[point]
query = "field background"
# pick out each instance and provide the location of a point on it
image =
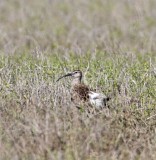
(113, 43)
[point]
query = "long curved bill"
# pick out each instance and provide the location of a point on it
(69, 74)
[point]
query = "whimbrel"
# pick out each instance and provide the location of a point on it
(81, 92)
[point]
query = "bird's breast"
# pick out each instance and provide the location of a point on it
(80, 91)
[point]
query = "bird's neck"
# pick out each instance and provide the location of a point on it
(76, 81)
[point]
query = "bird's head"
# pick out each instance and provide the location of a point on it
(76, 74)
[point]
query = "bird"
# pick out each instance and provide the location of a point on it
(82, 93)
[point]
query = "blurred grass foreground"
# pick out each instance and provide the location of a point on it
(113, 43)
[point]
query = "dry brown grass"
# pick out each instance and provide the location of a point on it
(113, 43)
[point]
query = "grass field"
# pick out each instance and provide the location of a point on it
(113, 43)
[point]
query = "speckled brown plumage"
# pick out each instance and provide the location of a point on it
(80, 92)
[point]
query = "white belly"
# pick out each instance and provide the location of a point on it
(98, 103)
(97, 99)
